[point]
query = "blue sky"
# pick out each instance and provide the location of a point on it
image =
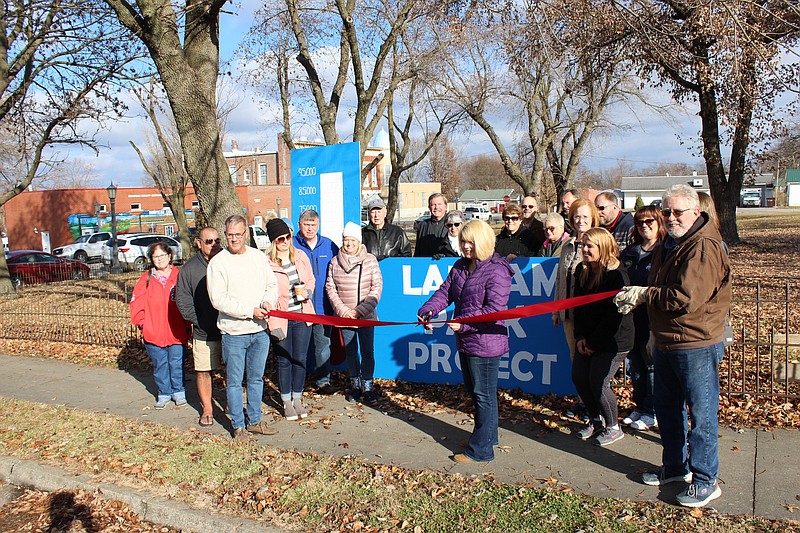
(647, 138)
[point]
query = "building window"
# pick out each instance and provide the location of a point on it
(102, 208)
(246, 177)
(195, 204)
(165, 205)
(262, 174)
(136, 207)
(234, 174)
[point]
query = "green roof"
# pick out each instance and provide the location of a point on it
(793, 175)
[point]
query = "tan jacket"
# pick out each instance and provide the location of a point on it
(354, 282)
(565, 277)
(690, 290)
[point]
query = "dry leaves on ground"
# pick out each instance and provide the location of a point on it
(73, 511)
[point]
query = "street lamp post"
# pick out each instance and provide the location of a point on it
(97, 216)
(112, 197)
(456, 197)
(278, 201)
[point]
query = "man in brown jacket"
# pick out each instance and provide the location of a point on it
(688, 298)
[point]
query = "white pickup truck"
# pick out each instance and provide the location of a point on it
(86, 248)
(479, 212)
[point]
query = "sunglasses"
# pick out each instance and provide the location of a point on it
(282, 239)
(211, 241)
(603, 207)
(677, 212)
(528, 206)
(642, 222)
(511, 218)
(453, 224)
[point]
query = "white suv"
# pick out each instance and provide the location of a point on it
(86, 248)
(132, 250)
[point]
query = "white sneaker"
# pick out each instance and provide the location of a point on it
(633, 417)
(644, 423)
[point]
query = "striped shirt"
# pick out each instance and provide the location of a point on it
(291, 271)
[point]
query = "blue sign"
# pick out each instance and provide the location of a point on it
(538, 360)
(327, 179)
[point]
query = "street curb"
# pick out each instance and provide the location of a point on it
(171, 513)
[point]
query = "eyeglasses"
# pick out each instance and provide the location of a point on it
(211, 241)
(511, 218)
(550, 228)
(453, 224)
(581, 217)
(604, 207)
(677, 212)
(234, 235)
(282, 238)
(160, 256)
(642, 222)
(529, 206)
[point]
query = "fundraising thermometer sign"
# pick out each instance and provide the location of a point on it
(538, 360)
(327, 179)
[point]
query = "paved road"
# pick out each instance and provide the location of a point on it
(759, 469)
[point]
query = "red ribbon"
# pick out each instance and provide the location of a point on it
(517, 312)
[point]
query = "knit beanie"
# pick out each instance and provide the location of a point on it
(275, 228)
(351, 229)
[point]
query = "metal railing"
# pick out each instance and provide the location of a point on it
(765, 357)
(763, 361)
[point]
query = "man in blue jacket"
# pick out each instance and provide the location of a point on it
(320, 251)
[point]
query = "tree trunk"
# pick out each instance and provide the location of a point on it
(188, 68)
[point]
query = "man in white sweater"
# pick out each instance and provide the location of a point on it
(243, 289)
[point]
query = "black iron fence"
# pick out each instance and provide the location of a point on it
(93, 311)
(763, 361)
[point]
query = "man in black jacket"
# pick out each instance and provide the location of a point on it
(432, 233)
(381, 239)
(191, 296)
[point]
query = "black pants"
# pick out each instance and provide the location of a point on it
(591, 376)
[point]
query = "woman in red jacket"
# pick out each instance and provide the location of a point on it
(165, 332)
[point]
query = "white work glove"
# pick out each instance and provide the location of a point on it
(629, 297)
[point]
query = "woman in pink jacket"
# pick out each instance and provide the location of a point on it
(165, 332)
(295, 285)
(354, 286)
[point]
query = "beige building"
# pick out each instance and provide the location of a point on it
(412, 199)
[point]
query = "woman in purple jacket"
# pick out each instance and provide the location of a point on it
(479, 283)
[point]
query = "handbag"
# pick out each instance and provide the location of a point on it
(338, 354)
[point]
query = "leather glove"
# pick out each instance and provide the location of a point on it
(436, 257)
(629, 297)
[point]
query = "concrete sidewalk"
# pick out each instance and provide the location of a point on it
(759, 470)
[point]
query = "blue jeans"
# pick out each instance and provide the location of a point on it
(641, 371)
(168, 370)
(245, 353)
(364, 338)
(322, 354)
(480, 379)
(689, 378)
(291, 354)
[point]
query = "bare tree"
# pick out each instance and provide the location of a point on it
(164, 160)
(58, 64)
(553, 69)
(69, 174)
(183, 42)
(349, 47)
(726, 57)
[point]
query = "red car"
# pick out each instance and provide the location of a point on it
(34, 266)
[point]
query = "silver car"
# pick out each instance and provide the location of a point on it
(132, 250)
